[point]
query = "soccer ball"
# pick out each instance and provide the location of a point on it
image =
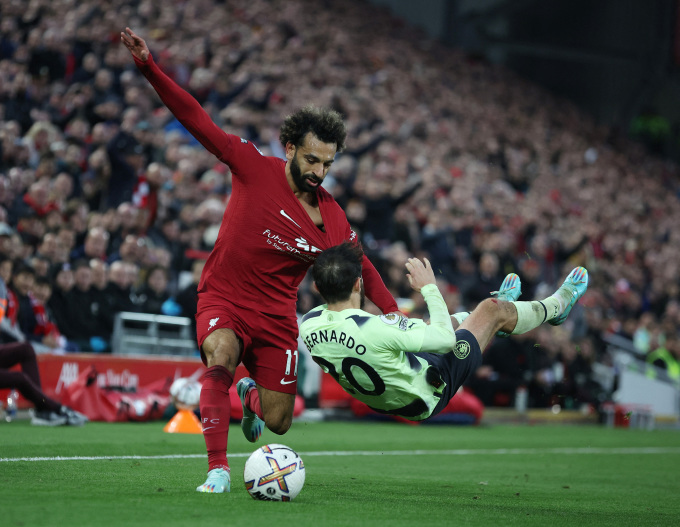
(274, 473)
(186, 393)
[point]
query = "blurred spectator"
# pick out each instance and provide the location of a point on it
(667, 356)
(100, 280)
(437, 239)
(6, 266)
(76, 214)
(9, 330)
(381, 199)
(65, 242)
(644, 338)
(41, 265)
(145, 194)
(19, 308)
(529, 270)
(166, 234)
(84, 322)
(465, 277)
(87, 69)
(153, 296)
(578, 387)
(94, 246)
(62, 189)
(487, 280)
(31, 229)
(128, 224)
(45, 330)
(127, 160)
(118, 294)
(37, 200)
(100, 274)
(58, 303)
(6, 233)
(132, 274)
(132, 250)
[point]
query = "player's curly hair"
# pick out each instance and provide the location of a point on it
(336, 269)
(324, 123)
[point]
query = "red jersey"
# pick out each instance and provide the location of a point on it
(267, 241)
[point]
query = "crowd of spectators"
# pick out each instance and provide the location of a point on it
(105, 199)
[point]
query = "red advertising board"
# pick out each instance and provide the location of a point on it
(128, 372)
(125, 371)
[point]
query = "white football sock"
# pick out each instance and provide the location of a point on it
(532, 314)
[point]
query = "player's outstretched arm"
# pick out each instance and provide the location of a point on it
(183, 106)
(440, 336)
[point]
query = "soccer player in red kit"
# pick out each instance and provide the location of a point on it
(277, 221)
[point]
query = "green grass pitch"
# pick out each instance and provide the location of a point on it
(358, 474)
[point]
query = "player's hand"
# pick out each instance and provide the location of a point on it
(135, 44)
(419, 274)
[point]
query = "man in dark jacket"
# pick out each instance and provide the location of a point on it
(84, 320)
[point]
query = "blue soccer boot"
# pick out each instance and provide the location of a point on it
(573, 288)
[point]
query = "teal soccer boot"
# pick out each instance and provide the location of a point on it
(218, 481)
(574, 286)
(510, 290)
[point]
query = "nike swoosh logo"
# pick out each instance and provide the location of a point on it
(208, 428)
(283, 213)
(284, 381)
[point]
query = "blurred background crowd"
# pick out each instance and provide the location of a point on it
(108, 205)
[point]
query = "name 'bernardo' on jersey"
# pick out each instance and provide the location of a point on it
(339, 337)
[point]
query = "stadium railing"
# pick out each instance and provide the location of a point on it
(635, 383)
(143, 334)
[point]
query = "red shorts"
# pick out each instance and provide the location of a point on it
(269, 342)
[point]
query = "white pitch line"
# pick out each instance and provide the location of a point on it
(459, 452)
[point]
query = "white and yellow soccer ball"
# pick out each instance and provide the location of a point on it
(186, 393)
(274, 473)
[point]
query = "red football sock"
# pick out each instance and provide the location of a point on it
(215, 408)
(253, 402)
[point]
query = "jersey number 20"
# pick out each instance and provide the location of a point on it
(347, 364)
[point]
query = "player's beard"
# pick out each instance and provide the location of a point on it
(300, 179)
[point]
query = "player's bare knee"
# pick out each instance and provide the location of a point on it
(222, 348)
(497, 312)
(279, 424)
(490, 308)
